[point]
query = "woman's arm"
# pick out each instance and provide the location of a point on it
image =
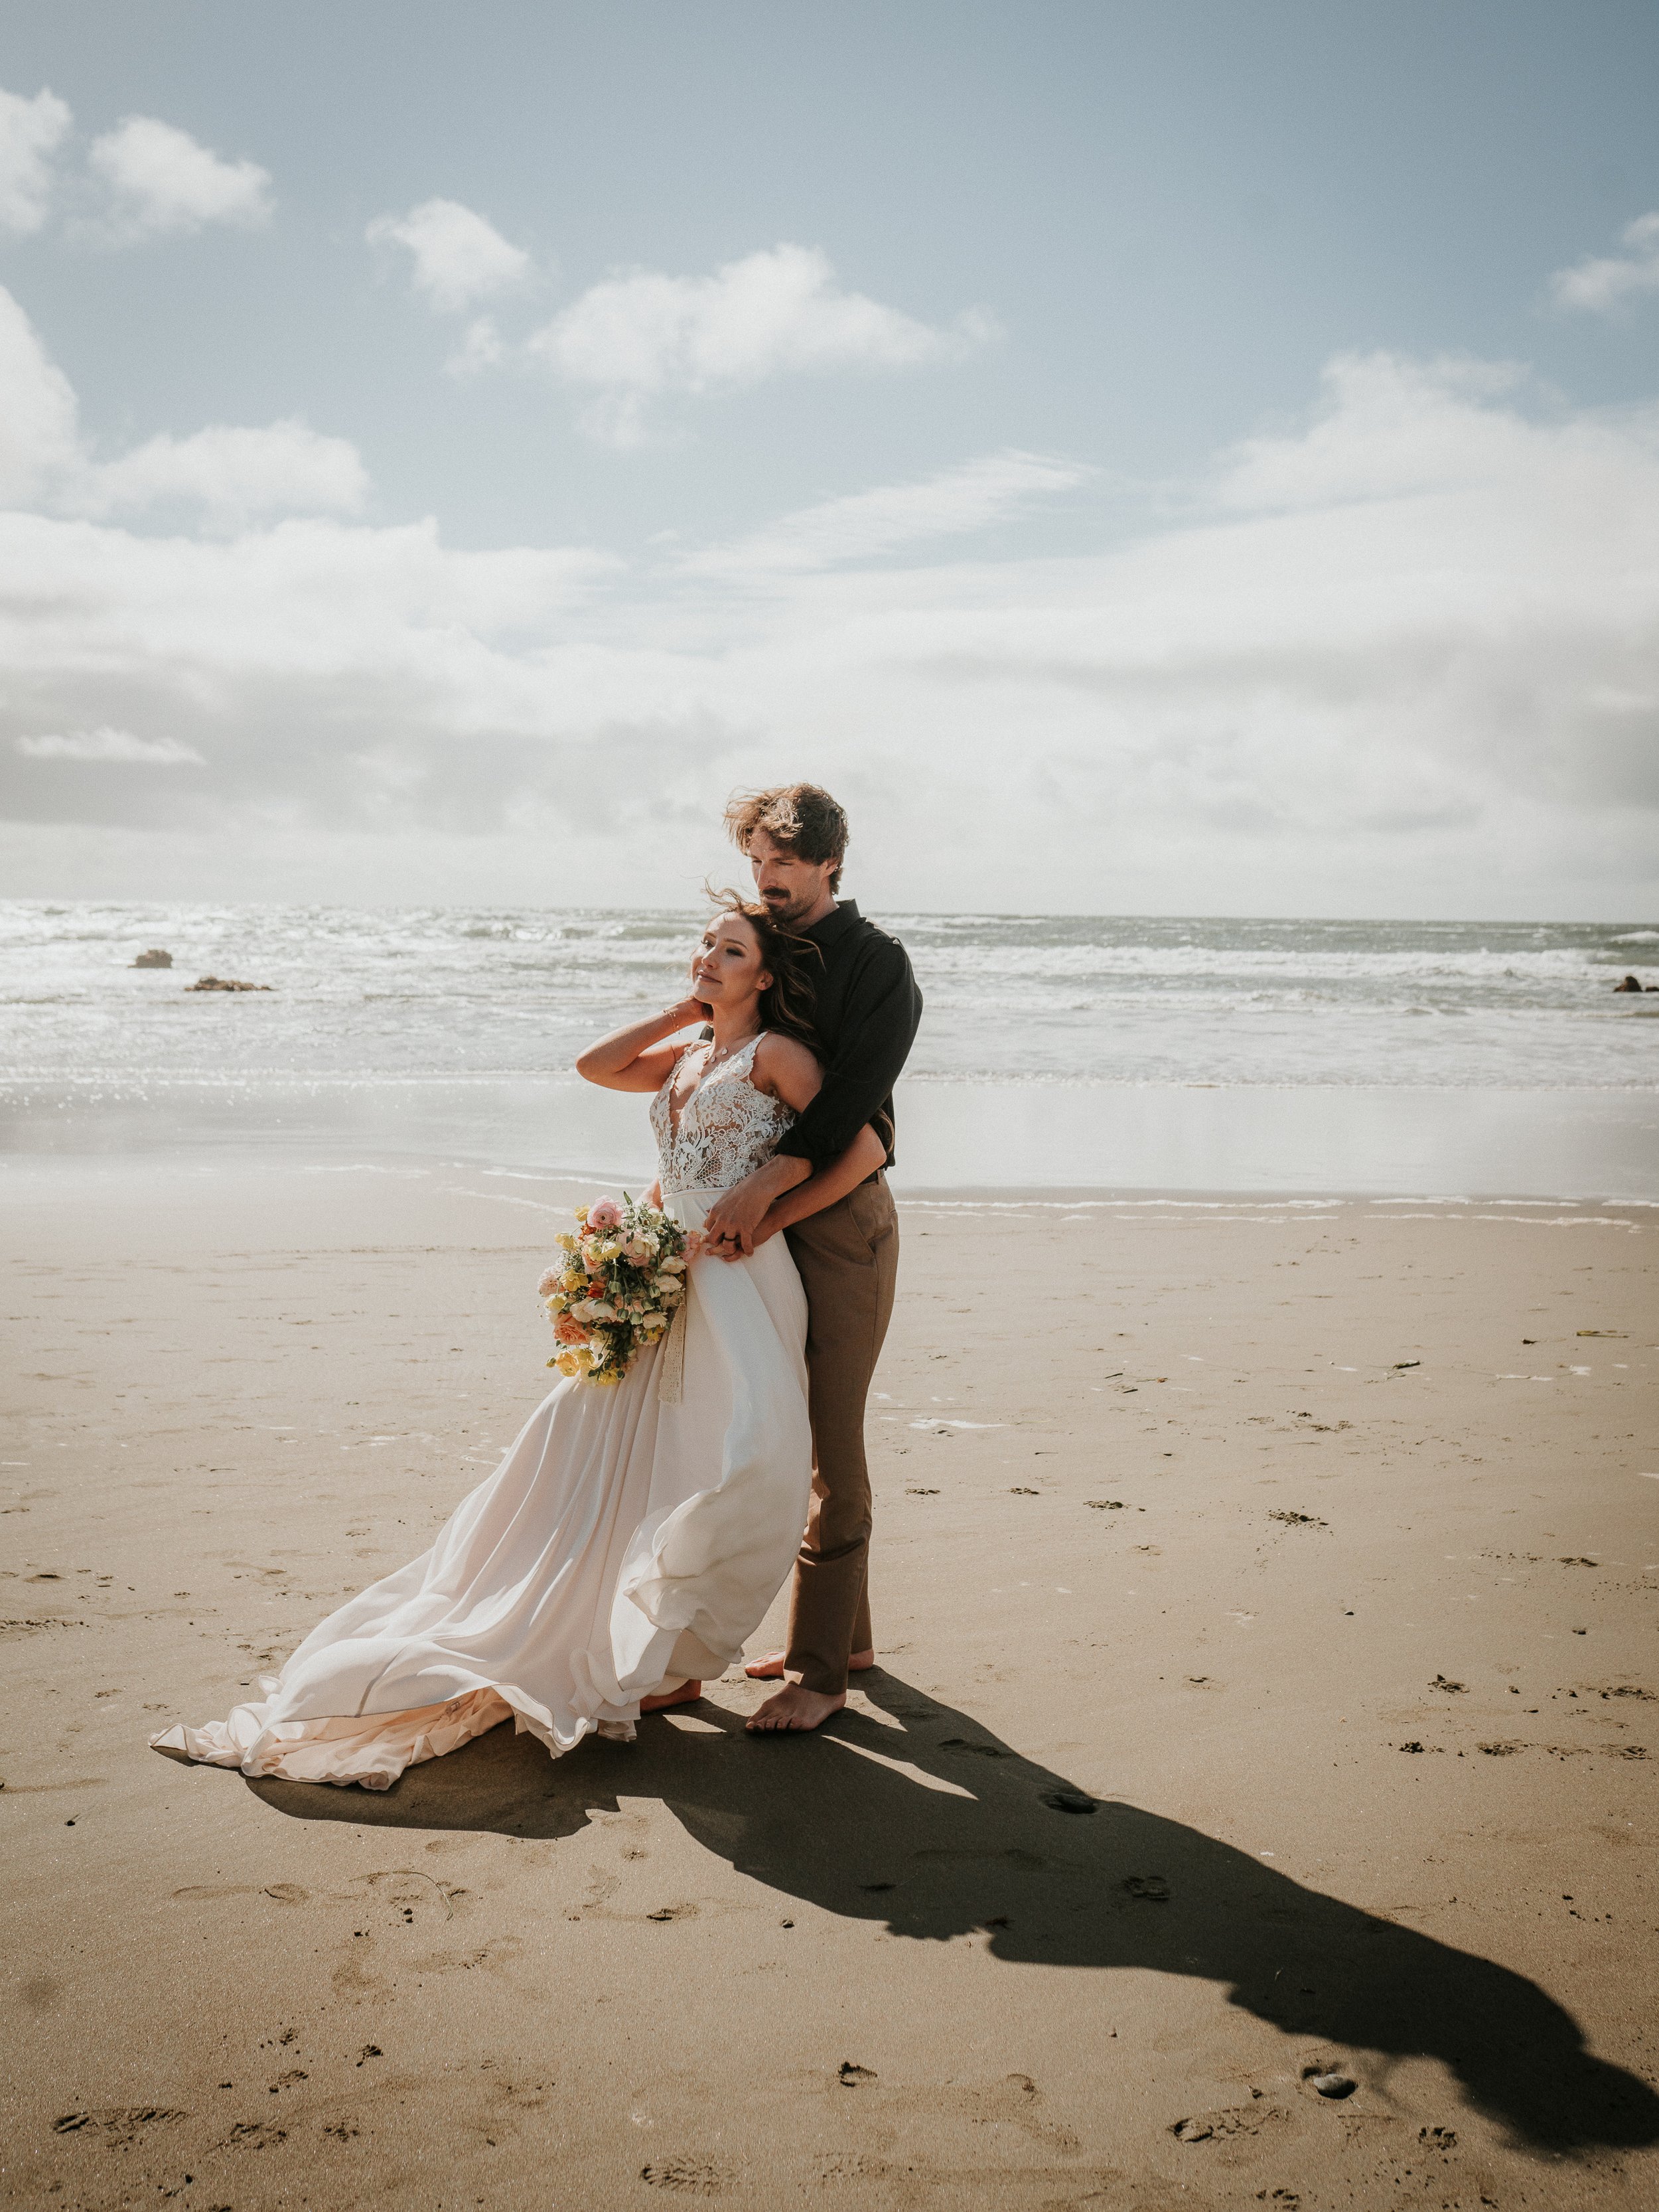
(855, 1165)
(626, 1060)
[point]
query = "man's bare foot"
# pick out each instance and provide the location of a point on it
(687, 1694)
(792, 1711)
(770, 1669)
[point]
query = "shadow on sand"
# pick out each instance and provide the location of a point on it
(1053, 1877)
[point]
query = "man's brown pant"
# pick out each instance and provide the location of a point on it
(847, 1256)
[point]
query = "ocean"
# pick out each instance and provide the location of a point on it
(1115, 1052)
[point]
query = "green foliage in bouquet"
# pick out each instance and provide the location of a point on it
(616, 1287)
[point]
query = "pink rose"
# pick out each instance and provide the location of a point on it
(607, 1214)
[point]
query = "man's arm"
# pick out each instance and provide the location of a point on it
(737, 1213)
(866, 1152)
(878, 1027)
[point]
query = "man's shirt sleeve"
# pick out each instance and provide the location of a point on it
(883, 1012)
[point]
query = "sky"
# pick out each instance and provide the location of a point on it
(1190, 460)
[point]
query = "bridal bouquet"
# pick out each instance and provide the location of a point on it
(616, 1287)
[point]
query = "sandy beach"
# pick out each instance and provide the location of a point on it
(1267, 1692)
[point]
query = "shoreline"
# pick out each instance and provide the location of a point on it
(45, 1178)
(1276, 1141)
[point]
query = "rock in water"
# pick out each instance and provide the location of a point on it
(155, 957)
(1630, 983)
(223, 983)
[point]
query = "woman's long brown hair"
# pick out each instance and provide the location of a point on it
(795, 963)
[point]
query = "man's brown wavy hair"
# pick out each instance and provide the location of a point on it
(787, 1004)
(802, 817)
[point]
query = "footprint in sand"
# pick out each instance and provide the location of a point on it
(253, 2134)
(693, 2177)
(1069, 1800)
(120, 2127)
(1232, 2120)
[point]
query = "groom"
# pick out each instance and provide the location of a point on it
(868, 1007)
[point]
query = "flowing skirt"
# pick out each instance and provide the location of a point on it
(634, 1537)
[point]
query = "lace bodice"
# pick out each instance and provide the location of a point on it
(726, 1127)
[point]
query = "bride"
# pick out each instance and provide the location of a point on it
(636, 1533)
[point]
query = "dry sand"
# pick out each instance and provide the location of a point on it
(1253, 1704)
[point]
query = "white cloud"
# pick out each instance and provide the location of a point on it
(867, 524)
(640, 334)
(1387, 427)
(107, 744)
(1402, 658)
(30, 132)
(40, 434)
(460, 258)
(162, 181)
(481, 348)
(231, 473)
(227, 473)
(1598, 285)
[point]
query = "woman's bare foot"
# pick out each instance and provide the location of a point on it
(770, 1669)
(687, 1694)
(794, 1711)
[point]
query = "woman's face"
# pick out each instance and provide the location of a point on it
(727, 969)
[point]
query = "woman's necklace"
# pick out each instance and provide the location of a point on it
(717, 1058)
(675, 1113)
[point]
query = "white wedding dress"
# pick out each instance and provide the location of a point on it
(632, 1536)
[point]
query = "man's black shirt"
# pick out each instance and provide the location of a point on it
(867, 1012)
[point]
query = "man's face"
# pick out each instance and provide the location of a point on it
(792, 888)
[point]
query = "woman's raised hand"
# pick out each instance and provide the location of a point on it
(635, 1058)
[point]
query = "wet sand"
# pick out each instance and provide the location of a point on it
(1268, 1692)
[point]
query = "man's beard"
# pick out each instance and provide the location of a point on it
(784, 906)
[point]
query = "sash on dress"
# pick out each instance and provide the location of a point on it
(670, 1371)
